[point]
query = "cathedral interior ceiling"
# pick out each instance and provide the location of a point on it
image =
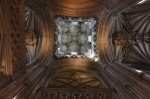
(58, 36)
(74, 10)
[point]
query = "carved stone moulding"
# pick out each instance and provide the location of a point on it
(17, 34)
(81, 93)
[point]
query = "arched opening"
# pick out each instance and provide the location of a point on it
(75, 84)
(75, 79)
(33, 35)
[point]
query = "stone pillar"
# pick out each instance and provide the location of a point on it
(13, 39)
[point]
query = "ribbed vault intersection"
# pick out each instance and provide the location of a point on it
(66, 28)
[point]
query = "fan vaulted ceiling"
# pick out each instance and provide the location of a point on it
(71, 11)
(67, 22)
(75, 37)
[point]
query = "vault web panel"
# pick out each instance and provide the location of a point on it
(75, 37)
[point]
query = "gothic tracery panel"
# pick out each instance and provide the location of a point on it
(75, 84)
(75, 79)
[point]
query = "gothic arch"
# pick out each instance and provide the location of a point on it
(73, 78)
(46, 25)
(33, 35)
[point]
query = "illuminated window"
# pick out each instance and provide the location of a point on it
(142, 1)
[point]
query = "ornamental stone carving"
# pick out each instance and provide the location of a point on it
(75, 37)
